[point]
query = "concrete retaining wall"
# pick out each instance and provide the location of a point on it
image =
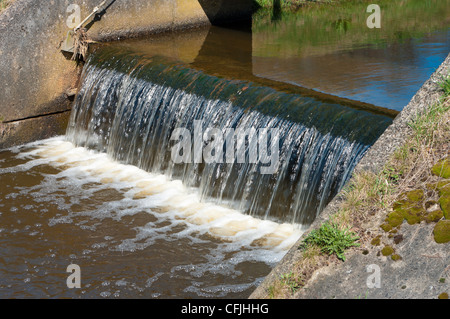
(393, 138)
(38, 80)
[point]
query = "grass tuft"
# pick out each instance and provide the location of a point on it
(332, 239)
(287, 4)
(445, 85)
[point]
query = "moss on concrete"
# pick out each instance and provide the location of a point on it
(439, 185)
(398, 239)
(415, 195)
(376, 241)
(395, 218)
(387, 251)
(442, 168)
(444, 201)
(434, 216)
(410, 208)
(441, 232)
(414, 215)
(443, 295)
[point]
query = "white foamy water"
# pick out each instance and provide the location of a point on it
(168, 197)
(77, 205)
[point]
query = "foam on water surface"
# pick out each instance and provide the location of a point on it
(168, 197)
(134, 233)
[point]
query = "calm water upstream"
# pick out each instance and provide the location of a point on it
(105, 197)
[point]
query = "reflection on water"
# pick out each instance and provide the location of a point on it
(329, 51)
(387, 77)
(333, 51)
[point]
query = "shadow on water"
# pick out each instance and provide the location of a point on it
(219, 11)
(229, 53)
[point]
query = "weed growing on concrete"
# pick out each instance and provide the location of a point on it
(292, 281)
(445, 85)
(332, 239)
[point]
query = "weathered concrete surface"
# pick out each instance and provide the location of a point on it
(423, 263)
(21, 132)
(418, 274)
(36, 76)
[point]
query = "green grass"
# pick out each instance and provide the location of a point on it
(4, 4)
(369, 194)
(445, 85)
(408, 168)
(332, 239)
(291, 281)
(272, 3)
(285, 3)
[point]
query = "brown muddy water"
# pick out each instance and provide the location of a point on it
(62, 205)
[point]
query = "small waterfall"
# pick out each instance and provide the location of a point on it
(131, 106)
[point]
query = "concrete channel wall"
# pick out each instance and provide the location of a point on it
(38, 82)
(394, 137)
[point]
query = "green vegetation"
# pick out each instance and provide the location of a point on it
(315, 29)
(409, 208)
(442, 168)
(442, 232)
(445, 85)
(376, 241)
(287, 4)
(387, 251)
(403, 187)
(332, 239)
(421, 160)
(292, 281)
(289, 283)
(4, 4)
